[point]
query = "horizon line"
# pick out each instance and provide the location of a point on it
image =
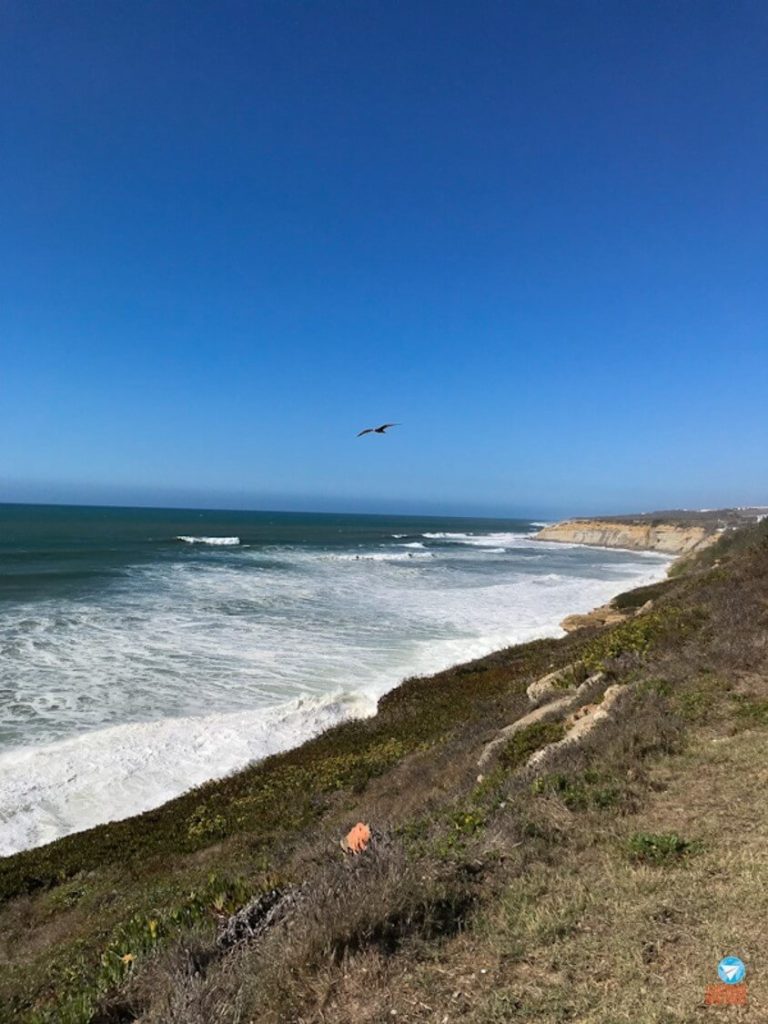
(267, 511)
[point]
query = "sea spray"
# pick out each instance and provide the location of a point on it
(136, 665)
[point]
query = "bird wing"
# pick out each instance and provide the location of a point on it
(368, 430)
(386, 426)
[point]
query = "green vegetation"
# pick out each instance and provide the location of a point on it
(527, 741)
(521, 877)
(631, 600)
(244, 826)
(750, 711)
(666, 848)
(637, 636)
(583, 790)
(731, 544)
(79, 988)
(572, 676)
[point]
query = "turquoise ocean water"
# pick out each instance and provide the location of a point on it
(143, 651)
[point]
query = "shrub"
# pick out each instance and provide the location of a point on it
(638, 636)
(633, 599)
(205, 824)
(750, 712)
(467, 823)
(528, 740)
(582, 791)
(571, 676)
(135, 940)
(660, 849)
(660, 687)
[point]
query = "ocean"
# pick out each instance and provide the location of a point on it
(145, 651)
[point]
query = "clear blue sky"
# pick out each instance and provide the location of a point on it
(233, 234)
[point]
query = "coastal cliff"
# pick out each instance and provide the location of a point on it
(136, 919)
(666, 537)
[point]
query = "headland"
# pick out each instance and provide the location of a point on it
(678, 532)
(598, 799)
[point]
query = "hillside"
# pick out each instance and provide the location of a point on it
(567, 830)
(678, 532)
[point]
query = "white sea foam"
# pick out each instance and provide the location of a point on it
(215, 541)
(188, 669)
(412, 544)
(384, 556)
(480, 540)
(52, 791)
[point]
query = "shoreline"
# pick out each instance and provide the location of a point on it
(630, 534)
(678, 532)
(308, 720)
(567, 766)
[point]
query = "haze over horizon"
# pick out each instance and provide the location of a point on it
(236, 234)
(384, 509)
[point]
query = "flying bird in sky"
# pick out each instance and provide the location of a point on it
(378, 430)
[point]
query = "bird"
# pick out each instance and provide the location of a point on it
(378, 430)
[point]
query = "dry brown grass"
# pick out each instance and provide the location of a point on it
(515, 899)
(581, 934)
(564, 926)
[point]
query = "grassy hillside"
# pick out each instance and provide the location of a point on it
(716, 518)
(604, 888)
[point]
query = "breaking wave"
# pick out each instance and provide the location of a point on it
(51, 791)
(385, 556)
(214, 541)
(480, 540)
(183, 667)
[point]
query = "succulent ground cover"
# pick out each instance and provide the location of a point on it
(603, 890)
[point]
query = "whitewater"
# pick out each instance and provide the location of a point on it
(143, 652)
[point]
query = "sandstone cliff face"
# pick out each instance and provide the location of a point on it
(668, 538)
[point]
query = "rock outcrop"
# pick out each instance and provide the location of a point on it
(672, 538)
(555, 684)
(554, 709)
(605, 615)
(577, 727)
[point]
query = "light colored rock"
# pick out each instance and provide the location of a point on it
(548, 686)
(670, 538)
(558, 683)
(553, 710)
(605, 615)
(582, 712)
(580, 727)
(542, 714)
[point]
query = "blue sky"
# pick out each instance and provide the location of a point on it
(233, 234)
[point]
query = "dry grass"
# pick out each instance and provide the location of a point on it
(564, 927)
(582, 934)
(513, 899)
